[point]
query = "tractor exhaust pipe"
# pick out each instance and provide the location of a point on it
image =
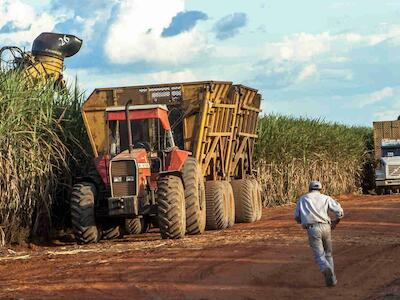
(128, 124)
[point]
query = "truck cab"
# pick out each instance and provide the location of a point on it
(387, 173)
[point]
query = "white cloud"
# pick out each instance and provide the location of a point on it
(301, 47)
(26, 22)
(136, 34)
(307, 72)
(19, 14)
(386, 115)
(376, 97)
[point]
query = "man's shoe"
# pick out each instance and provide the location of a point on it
(330, 279)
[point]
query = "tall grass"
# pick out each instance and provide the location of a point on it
(292, 151)
(39, 124)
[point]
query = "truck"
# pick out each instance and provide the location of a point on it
(387, 155)
(174, 156)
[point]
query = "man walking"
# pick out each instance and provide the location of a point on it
(312, 212)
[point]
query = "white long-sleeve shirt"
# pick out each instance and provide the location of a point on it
(313, 208)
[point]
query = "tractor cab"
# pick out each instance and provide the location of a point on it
(144, 127)
(139, 126)
(141, 148)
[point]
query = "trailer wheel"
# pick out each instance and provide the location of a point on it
(244, 203)
(217, 205)
(83, 213)
(231, 203)
(171, 207)
(195, 197)
(136, 226)
(257, 199)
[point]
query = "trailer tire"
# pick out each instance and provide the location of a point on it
(195, 197)
(231, 204)
(257, 199)
(83, 213)
(217, 205)
(171, 207)
(136, 226)
(244, 203)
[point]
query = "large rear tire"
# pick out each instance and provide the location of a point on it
(171, 207)
(257, 200)
(83, 213)
(217, 205)
(195, 197)
(244, 203)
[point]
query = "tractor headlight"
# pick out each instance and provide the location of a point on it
(130, 178)
(117, 179)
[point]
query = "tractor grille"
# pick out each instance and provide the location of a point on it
(394, 170)
(123, 169)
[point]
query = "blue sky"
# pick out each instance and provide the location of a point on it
(337, 60)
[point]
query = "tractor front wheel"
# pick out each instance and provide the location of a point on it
(136, 225)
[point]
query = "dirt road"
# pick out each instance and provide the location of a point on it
(269, 259)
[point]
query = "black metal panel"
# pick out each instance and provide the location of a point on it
(123, 206)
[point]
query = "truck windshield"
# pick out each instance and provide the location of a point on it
(390, 151)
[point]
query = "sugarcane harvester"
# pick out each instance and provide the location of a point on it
(177, 156)
(45, 60)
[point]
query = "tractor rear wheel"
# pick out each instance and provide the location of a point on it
(231, 203)
(217, 205)
(171, 207)
(195, 197)
(136, 226)
(244, 203)
(257, 199)
(83, 213)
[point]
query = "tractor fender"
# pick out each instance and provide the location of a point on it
(176, 158)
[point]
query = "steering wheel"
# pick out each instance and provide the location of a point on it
(144, 145)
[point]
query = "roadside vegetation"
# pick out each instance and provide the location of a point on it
(38, 130)
(292, 151)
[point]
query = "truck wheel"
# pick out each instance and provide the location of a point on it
(244, 203)
(83, 213)
(195, 197)
(111, 230)
(217, 205)
(171, 207)
(136, 226)
(257, 199)
(231, 204)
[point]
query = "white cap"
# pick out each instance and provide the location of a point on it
(315, 186)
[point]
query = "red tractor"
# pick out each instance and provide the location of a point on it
(143, 179)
